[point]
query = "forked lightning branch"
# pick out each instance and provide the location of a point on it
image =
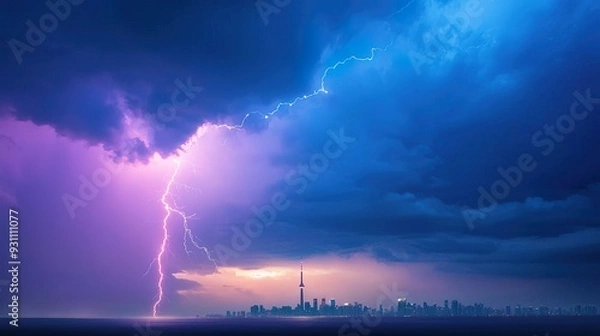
(13, 266)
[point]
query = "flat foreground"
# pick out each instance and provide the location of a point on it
(339, 326)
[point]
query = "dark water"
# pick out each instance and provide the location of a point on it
(540, 326)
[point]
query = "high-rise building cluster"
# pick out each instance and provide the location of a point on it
(404, 308)
(408, 309)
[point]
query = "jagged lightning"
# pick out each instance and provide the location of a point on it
(314, 93)
(168, 200)
(171, 207)
(163, 246)
(321, 89)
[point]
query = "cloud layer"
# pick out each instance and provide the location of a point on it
(457, 99)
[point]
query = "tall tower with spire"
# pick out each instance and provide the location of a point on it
(301, 286)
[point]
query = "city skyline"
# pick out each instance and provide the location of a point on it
(181, 158)
(403, 307)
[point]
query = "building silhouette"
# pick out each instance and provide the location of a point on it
(301, 286)
(404, 308)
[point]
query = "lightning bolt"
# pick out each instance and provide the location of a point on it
(321, 90)
(171, 207)
(169, 202)
(163, 246)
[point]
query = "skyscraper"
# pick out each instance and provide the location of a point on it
(455, 308)
(301, 286)
(401, 309)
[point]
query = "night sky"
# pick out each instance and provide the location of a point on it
(456, 160)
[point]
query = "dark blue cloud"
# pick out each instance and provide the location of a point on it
(426, 138)
(426, 143)
(223, 46)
